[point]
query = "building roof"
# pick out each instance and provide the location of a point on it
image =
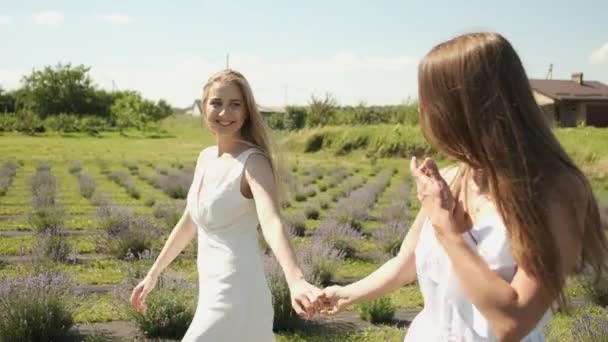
(571, 90)
(267, 109)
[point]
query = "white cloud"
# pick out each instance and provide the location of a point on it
(116, 19)
(49, 18)
(5, 19)
(600, 55)
(349, 76)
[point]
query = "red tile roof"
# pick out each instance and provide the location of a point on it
(571, 90)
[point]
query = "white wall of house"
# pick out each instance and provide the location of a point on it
(541, 99)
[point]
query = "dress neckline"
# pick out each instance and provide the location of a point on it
(202, 176)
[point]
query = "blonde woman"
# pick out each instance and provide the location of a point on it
(235, 187)
(498, 233)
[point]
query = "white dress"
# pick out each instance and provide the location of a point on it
(448, 314)
(234, 301)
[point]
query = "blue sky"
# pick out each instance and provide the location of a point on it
(358, 50)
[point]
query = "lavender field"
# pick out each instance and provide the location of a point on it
(82, 219)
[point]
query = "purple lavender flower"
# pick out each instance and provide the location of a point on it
(7, 174)
(176, 184)
(390, 236)
(339, 236)
(319, 261)
(86, 185)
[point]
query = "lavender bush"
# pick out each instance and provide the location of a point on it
(53, 246)
(296, 221)
(390, 236)
(75, 167)
(123, 179)
(168, 212)
(43, 165)
(284, 315)
(100, 200)
(588, 328)
(324, 201)
(47, 213)
(125, 232)
(338, 236)
(176, 184)
(43, 187)
(170, 306)
(151, 178)
(319, 261)
(36, 307)
(86, 185)
(354, 209)
(7, 174)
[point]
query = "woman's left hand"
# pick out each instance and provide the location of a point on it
(445, 211)
(304, 298)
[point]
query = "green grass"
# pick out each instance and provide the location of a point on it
(377, 140)
(373, 334)
(99, 308)
(352, 268)
(187, 140)
(408, 297)
(16, 245)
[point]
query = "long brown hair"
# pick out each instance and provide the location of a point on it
(477, 107)
(254, 130)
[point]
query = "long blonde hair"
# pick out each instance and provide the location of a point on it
(254, 130)
(477, 107)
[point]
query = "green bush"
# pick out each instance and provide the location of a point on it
(29, 123)
(312, 211)
(168, 315)
(377, 311)
(376, 141)
(75, 167)
(595, 291)
(62, 123)
(8, 122)
(295, 118)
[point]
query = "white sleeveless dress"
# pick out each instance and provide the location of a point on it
(448, 314)
(234, 301)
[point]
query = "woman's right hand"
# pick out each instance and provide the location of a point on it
(141, 291)
(334, 300)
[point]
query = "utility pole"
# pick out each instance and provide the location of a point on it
(227, 61)
(550, 72)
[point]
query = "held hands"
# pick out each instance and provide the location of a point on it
(328, 302)
(304, 298)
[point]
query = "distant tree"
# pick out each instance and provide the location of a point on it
(7, 101)
(295, 118)
(129, 110)
(321, 110)
(60, 89)
(160, 111)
